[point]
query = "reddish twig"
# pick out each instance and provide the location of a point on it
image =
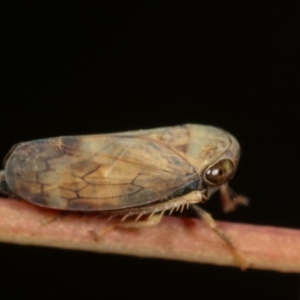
(267, 248)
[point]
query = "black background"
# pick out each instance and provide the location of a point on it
(83, 69)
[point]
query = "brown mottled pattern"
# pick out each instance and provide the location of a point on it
(95, 172)
(110, 172)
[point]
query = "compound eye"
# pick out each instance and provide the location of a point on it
(220, 172)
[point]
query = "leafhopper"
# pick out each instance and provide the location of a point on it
(138, 174)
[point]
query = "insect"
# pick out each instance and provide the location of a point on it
(136, 173)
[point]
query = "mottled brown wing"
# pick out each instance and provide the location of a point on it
(96, 173)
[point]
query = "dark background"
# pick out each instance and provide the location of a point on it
(81, 69)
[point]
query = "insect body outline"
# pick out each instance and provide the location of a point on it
(136, 173)
(123, 171)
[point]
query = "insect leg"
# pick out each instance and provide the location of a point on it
(230, 200)
(97, 235)
(59, 215)
(153, 212)
(150, 221)
(210, 222)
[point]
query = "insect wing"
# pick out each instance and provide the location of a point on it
(99, 172)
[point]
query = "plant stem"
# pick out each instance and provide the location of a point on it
(264, 247)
